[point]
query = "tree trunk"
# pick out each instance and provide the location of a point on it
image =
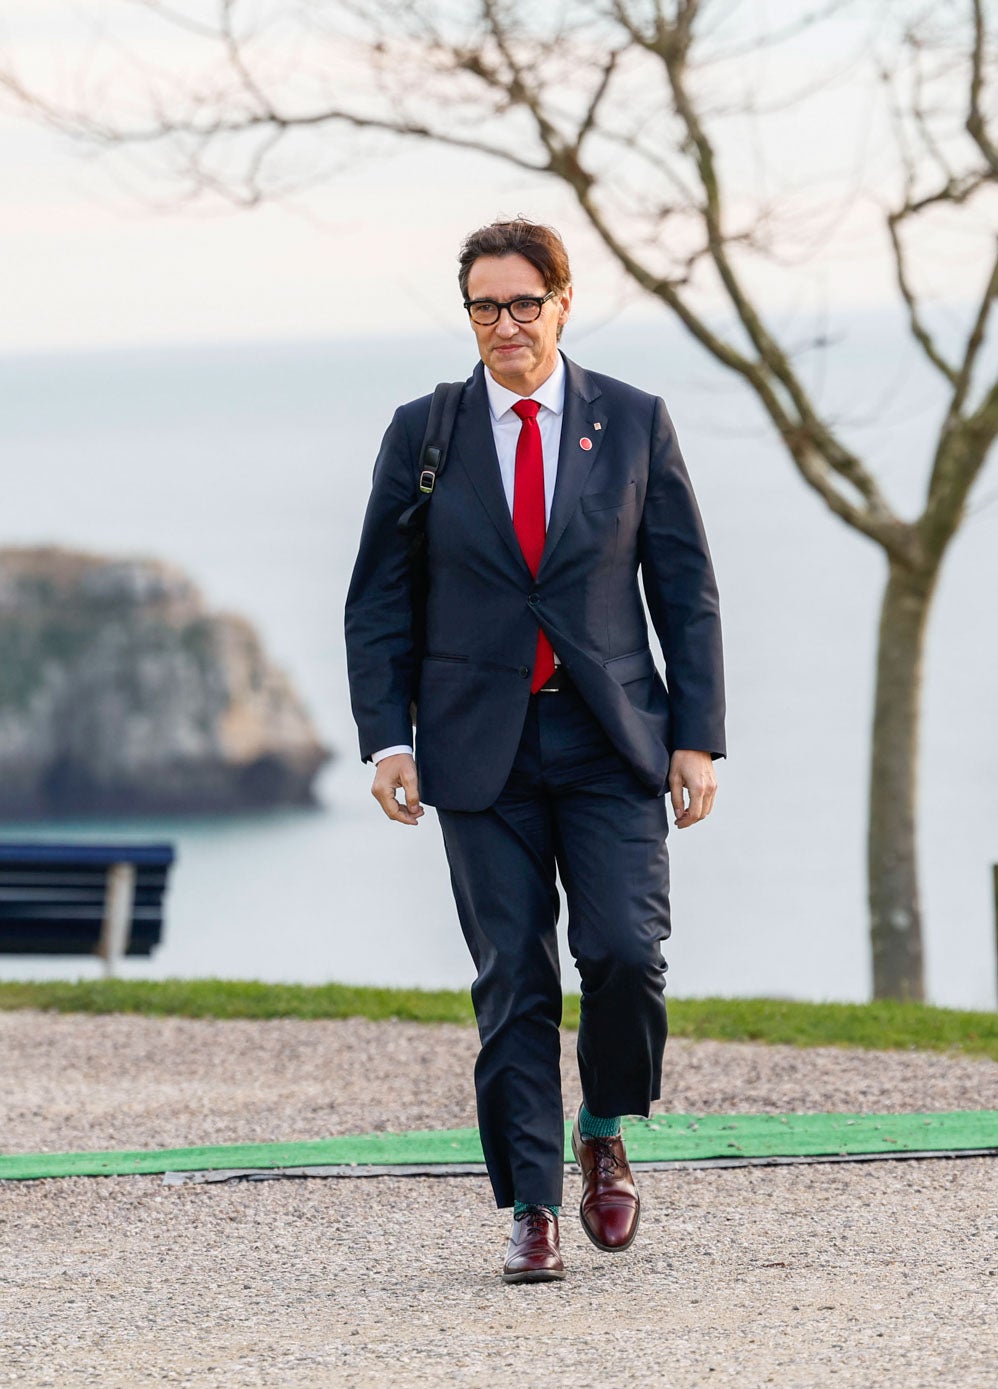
(895, 912)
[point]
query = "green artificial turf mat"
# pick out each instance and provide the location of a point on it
(664, 1138)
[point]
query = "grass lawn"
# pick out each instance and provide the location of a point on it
(874, 1026)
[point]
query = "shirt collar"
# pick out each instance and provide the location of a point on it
(550, 394)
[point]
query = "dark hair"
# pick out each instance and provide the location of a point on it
(541, 245)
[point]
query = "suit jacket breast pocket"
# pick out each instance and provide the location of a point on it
(614, 500)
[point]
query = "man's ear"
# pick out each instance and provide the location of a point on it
(565, 305)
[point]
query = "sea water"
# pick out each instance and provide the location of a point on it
(249, 465)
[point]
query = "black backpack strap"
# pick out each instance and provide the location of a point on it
(444, 406)
(412, 523)
(439, 427)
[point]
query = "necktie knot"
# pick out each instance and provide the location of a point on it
(526, 409)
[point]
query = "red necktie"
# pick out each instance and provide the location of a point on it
(528, 517)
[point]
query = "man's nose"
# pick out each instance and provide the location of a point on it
(507, 326)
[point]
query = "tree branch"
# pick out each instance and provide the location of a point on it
(672, 50)
(883, 527)
(602, 87)
(965, 440)
(962, 452)
(974, 342)
(976, 125)
(918, 329)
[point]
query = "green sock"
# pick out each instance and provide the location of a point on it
(592, 1126)
(520, 1206)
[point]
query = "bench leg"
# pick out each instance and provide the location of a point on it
(119, 898)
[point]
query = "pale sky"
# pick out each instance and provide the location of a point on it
(84, 263)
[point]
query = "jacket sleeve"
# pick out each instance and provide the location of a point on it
(678, 581)
(381, 657)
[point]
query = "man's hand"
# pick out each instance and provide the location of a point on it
(393, 772)
(694, 772)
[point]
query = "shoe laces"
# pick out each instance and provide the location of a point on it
(535, 1216)
(607, 1160)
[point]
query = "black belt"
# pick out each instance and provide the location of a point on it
(558, 681)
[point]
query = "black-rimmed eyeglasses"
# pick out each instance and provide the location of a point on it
(487, 312)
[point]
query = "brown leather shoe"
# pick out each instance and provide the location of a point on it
(533, 1255)
(610, 1204)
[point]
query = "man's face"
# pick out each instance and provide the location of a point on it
(519, 355)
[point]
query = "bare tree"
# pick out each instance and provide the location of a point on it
(630, 104)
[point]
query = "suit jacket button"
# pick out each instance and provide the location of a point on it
(534, 599)
(524, 671)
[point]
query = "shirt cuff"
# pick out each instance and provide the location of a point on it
(390, 752)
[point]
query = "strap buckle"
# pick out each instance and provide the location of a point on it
(427, 479)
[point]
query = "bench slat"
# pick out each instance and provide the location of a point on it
(67, 940)
(151, 876)
(155, 855)
(94, 893)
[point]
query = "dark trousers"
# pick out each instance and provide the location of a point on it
(571, 805)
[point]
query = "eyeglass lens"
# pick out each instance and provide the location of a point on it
(520, 311)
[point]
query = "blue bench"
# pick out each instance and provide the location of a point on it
(82, 899)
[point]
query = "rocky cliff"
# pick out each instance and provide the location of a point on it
(120, 693)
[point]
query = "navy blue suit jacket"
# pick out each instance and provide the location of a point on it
(622, 508)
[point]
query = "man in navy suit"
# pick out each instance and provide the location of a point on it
(545, 738)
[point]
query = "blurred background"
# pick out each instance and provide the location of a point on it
(192, 392)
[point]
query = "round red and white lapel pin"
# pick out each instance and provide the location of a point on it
(585, 443)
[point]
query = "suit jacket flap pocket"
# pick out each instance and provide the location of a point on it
(636, 665)
(609, 501)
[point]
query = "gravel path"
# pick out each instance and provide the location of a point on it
(880, 1274)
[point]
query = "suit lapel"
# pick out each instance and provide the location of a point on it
(575, 461)
(475, 447)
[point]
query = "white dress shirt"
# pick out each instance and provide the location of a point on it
(506, 429)
(550, 396)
